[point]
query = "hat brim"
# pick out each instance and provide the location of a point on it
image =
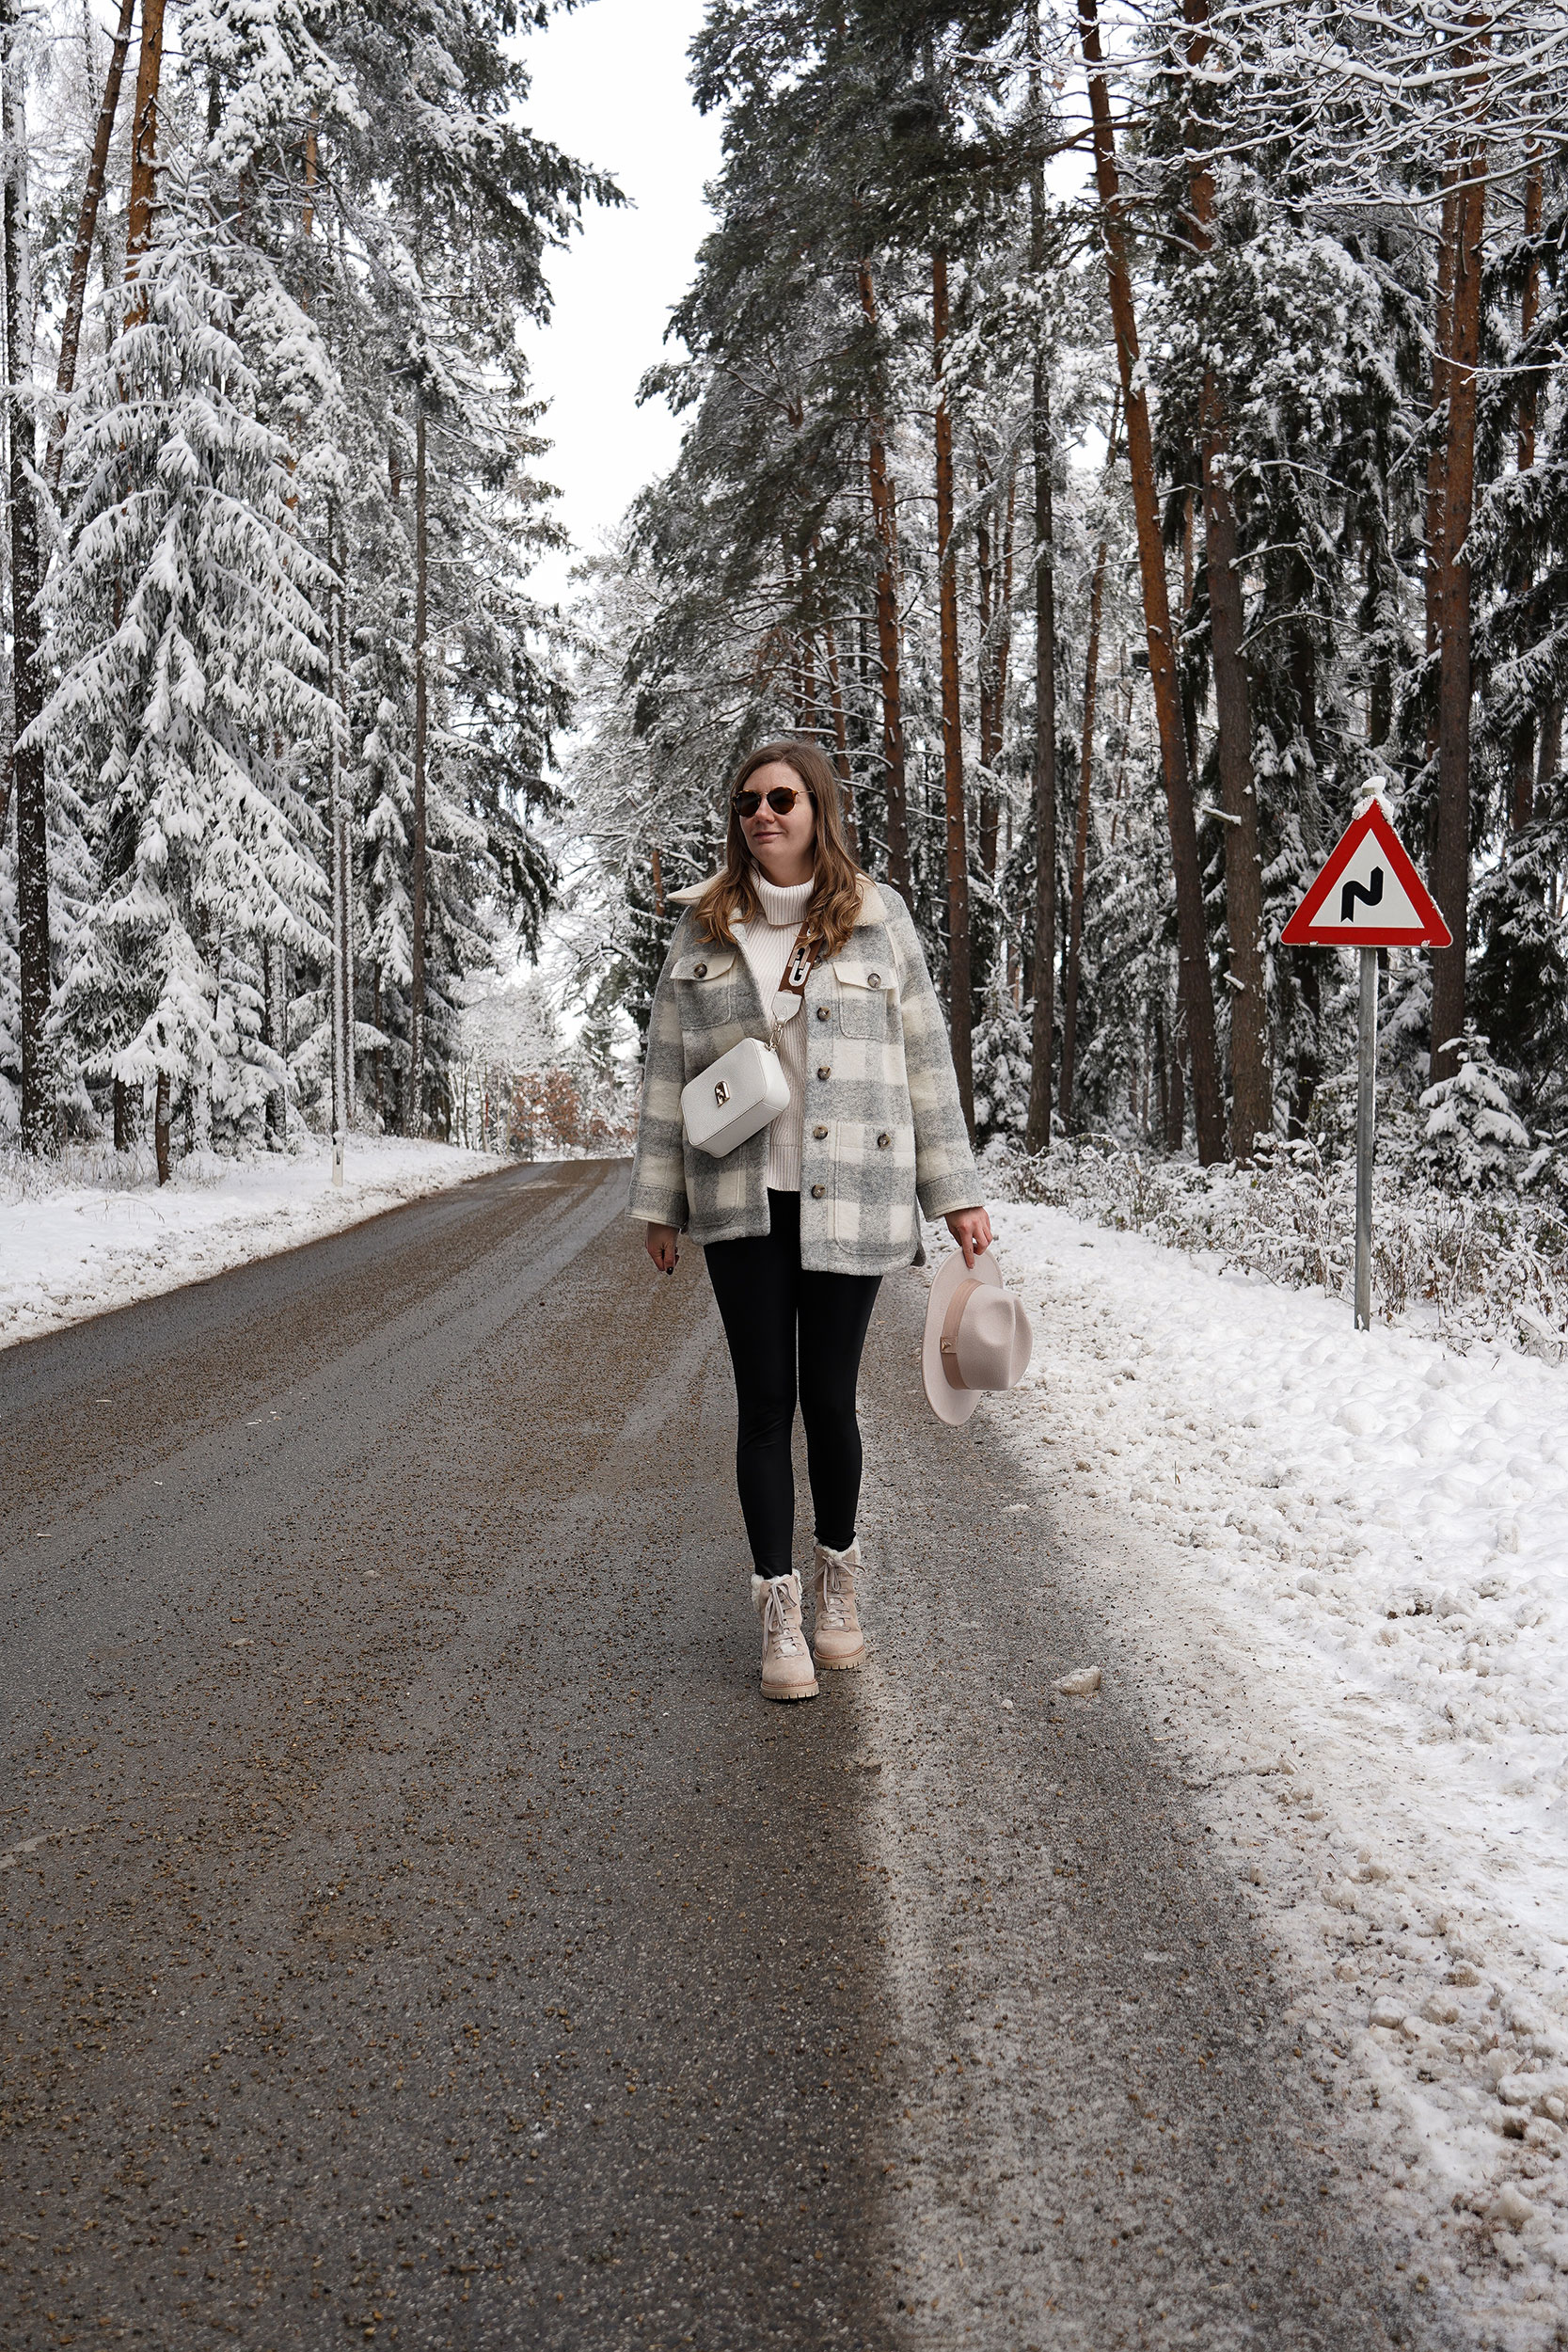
(953, 1405)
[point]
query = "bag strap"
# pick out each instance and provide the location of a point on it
(797, 972)
(803, 956)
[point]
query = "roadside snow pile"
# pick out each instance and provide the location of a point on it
(1479, 1266)
(1349, 1566)
(93, 1229)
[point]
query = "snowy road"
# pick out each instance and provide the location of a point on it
(414, 1923)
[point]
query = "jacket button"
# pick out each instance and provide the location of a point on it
(819, 1192)
(820, 1133)
(883, 1142)
(873, 979)
(824, 1072)
(702, 971)
(823, 1013)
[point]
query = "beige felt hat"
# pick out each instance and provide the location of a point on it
(977, 1337)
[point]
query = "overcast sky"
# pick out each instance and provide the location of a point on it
(609, 86)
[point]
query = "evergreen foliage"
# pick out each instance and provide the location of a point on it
(1291, 219)
(253, 575)
(285, 585)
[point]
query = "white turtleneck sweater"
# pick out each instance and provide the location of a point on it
(766, 946)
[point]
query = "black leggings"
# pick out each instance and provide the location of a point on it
(774, 1310)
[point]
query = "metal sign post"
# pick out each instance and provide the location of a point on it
(1368, 896)
(1366, 1128)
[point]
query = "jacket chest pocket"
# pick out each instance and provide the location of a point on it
(863, 992)
(706, 988)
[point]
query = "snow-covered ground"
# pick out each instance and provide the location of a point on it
(77, 1240)
(1343, 1568)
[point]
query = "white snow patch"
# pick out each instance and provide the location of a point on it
(72, 1249)
(1343, 1557)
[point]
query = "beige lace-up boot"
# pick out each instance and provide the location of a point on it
(786, 1668)
(836, 1637)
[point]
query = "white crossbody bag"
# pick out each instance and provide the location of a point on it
(744, 1090)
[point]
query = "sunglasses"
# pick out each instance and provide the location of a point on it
(781, 801)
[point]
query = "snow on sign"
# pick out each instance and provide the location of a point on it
(1369, 895)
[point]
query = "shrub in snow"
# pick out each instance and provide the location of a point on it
(1474, 1140)
(1488, 1267)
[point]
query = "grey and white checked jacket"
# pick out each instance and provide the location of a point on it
(884, 1125)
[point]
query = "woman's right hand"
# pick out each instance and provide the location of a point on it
(661, 1242)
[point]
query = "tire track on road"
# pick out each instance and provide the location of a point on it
(474, 1954)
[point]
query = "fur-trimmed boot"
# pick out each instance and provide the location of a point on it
(786, 1667)
(836, 1637)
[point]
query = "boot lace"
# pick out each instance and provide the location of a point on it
(837, 1592)
(777, 1631)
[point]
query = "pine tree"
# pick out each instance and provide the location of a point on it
(1473, 1139)
(191, 653)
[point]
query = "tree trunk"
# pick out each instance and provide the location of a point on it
(990, 730)
(841, 738)
(274, 970)
(1037, 1130)
(1549, 757)
(1185, 671)
(1004, 615)
(342, 924)
(1380, 694)
(27, 683)
(161, 1127)
(1450, 874)
(143, 148)
(1176, 1101)
(1161, 1069)
(1252, 1085)
(960, 1011)
(884, 515)
(1522, 798)
(1037, 1133)
(1081, 838)
(413, 1107)
(1196, 988)
(123, 1131)
(81, 255)
(807, 719)
(1437, 445)
(1304, 662)
(1252, 1099)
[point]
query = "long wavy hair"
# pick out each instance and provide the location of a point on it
(836, 897)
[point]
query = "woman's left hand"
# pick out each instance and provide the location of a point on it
(971, 1229)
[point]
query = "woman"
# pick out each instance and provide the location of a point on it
(793, 944)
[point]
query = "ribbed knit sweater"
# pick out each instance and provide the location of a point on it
(766, 947)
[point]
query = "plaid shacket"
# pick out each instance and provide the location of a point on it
(884, 1125)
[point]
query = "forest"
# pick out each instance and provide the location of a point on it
(1126, 446)
(277, 701)
(1124, 441)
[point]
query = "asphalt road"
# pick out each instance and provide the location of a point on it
(416, 1928)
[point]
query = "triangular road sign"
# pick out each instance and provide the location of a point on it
(1369, 895)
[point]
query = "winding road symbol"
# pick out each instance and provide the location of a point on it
(1370, 893)
(1366, 893)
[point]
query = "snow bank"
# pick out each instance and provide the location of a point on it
(1349, 1573)
(95, 1231)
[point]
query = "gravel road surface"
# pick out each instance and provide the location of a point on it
(416, 1930)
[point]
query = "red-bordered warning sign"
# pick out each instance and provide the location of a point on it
(1369, 895)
